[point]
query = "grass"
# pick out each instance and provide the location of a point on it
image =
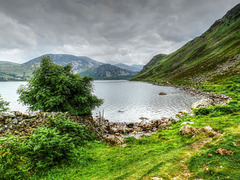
(166, 154)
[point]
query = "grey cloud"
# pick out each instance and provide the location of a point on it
(106, 30)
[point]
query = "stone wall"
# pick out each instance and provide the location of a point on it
(22, 124)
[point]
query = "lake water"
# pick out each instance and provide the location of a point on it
(124, 101)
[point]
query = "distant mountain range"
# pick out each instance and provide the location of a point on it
(210, 57)
(80, 63)
(134, 67)
(14, 71)
(108, 71)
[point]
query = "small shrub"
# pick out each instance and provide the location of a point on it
(80, 134)
(12, 163)
(202, 111)
(47, 147)
(56, 143)
(218, 110)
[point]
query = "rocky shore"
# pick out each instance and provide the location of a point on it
(216, 98)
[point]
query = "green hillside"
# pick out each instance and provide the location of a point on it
(213, 55)
(108, 72)
(14, 71)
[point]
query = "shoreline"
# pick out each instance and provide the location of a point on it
(115, 132)
(220, 99)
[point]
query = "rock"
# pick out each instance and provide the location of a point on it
(116, 141)
(8, 114)
(130, 125)
(25, 115)
(207, 129)
(1, 117)
(186, 130)
(33, 114)
(202, 103)
(113, 130)
(156, 178)
(162, 93)
(224, 152)
(1, 129)
(17, 113)
(187, 122)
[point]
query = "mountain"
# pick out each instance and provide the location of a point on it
(213, 55)
(14, 71)
(108, 71)
(154, 61)
(80, 63)
(134, 67)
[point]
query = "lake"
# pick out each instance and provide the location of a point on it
(124, 101)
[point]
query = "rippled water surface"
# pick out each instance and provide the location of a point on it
(124, 101)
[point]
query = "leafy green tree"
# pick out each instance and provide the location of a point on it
(55, 88)
(3, 104)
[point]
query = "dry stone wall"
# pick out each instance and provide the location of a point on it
(22, 124)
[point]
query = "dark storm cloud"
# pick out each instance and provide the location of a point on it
(128, 31)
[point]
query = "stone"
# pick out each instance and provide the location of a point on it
(156, 178)
(116, 141)
(1, 129)
(8, 114)
(1, 117)
(25, 115)
(15, 121)
(202, 103)
(162, 93)
(130, 125)
(187, 122)
(224, 152)
(18, 113)
(33, 114)
(186, 130)
(207, 129)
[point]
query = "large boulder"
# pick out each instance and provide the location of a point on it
(202, 103)
(207, 129)
(186, 130)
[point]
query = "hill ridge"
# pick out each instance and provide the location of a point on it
(213, 55)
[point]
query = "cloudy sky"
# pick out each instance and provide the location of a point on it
(110, 31)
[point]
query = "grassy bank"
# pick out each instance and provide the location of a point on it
(166, 154)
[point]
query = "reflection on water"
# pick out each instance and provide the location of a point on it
(124, 101)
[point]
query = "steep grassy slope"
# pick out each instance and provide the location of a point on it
(154, 61)
(213, 55)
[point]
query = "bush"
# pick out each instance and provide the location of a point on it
(12, 163)
(47, 148)
(80, 134)
(218, 110)
(58, 142)
(54, 88)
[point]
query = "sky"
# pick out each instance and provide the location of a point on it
(109, 31)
